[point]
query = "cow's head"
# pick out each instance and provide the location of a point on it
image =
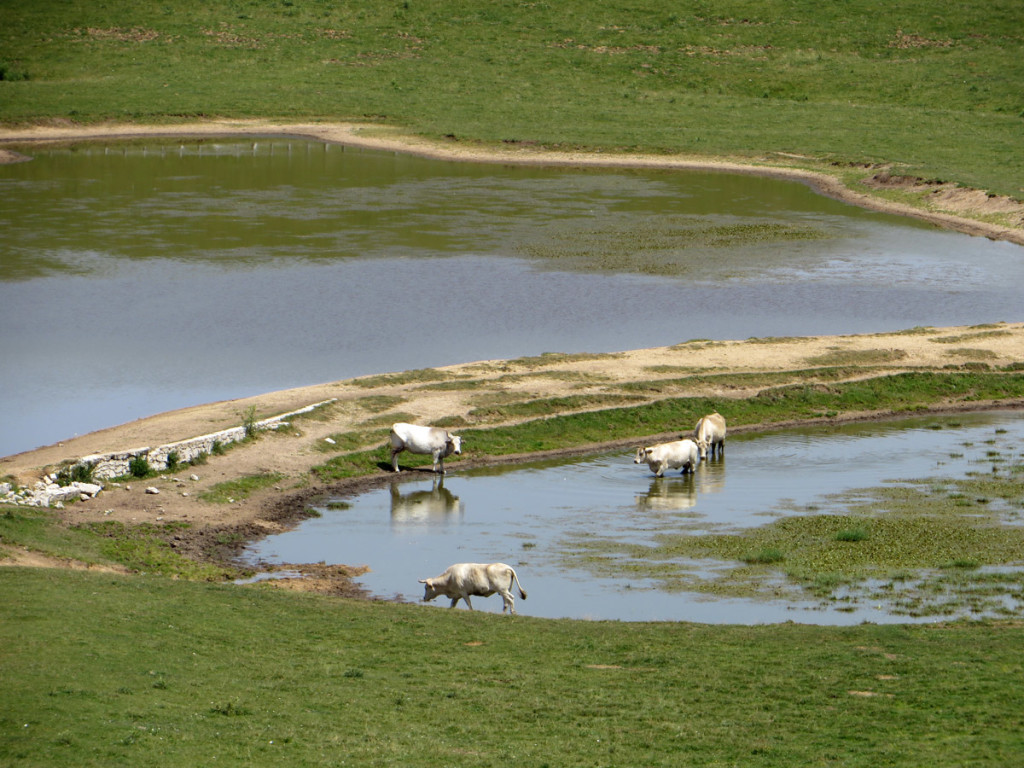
(453, 445)
(430, 591)
(641, 455)
(702, 447)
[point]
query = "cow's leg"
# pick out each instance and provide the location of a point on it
(660, 471)
(508, 601)
(394, 458)
(438, 463)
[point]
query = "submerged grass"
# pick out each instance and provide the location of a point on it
(934, 537)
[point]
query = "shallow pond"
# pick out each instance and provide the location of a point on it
(530, 516)
(139, 278)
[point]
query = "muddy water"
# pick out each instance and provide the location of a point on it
(528, 516)
(138, 278)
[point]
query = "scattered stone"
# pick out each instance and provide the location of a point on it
(152, 490)
(194, 478)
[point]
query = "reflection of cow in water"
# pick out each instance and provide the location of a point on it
(669, 494)
(424, 506)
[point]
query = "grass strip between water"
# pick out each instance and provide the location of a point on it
(905, 392)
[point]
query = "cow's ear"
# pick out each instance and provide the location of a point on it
(423, 581)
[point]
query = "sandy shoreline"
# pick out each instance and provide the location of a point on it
(377, 137)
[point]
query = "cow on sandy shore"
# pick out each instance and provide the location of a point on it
(434, 441)
(709, 433)
(461, 580)
(681, 454)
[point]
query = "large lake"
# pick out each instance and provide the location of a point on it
(139, 278)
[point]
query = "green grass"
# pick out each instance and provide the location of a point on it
(144, 548)
(899, 393)
(937, 93)
(158, 673)
(236, 490)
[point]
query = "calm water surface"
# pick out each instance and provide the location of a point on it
(528, 516)
(136, 279)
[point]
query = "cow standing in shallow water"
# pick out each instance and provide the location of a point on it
(461, 580)
(429, 440)
(681, 454)
(710, 433)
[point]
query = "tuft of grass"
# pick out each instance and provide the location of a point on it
(241, 488)
(416, 376)
(852, 534)
(858, 357)
(764, 556)
(546, 359)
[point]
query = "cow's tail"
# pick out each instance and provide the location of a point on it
(515, 580)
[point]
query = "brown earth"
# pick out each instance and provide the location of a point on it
(366, 406)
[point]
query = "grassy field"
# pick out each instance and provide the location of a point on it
(143, 670)
(935, 91)
(103, 670)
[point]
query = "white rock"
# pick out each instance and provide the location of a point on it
(152, 490)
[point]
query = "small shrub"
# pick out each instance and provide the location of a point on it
(173, 459)
(249, 423)
(11, 74)
(80, 473)
(217, 449)
(139, 467)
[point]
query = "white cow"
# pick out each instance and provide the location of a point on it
(710, 433)
(431, 440)
(461, 580)
(681, 454)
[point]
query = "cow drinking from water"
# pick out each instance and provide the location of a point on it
(681, 454)
(461, 580)
(436, 442)
(709, 433)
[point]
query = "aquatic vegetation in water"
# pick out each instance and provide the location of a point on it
(655, 248)
(931, 547)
